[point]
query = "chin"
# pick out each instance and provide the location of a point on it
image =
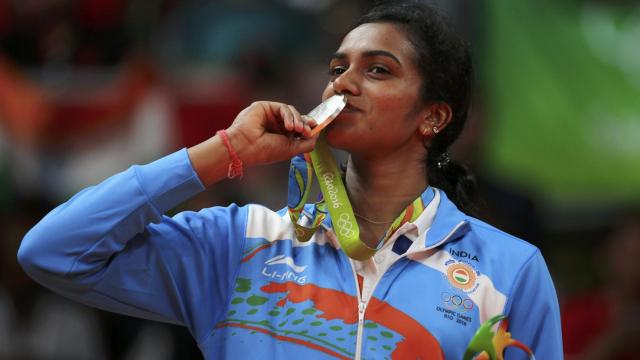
(345, 140)
(338, 138)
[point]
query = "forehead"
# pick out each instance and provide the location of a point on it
(378, 36)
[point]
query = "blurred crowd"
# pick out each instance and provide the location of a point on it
(89, 87)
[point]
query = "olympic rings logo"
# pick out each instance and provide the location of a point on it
(345, 226)
(457, 302)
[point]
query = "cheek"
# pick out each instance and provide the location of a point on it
(395, 106)
(397, 98)
(396, 113)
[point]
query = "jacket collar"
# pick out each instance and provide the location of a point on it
(430, 229)
(448, 224)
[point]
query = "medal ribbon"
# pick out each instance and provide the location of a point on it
(334, 200)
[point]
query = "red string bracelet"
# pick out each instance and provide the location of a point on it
(235, 166)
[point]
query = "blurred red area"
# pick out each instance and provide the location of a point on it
(99, 14)
(5, 16)
(35, 115)
(197, 122)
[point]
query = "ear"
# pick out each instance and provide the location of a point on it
(437, 117)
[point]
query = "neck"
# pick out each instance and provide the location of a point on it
(380, 188)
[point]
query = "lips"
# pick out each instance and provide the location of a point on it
(351, 108)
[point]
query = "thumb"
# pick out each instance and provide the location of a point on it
(303, 145)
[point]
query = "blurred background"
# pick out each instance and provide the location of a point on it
(90, 87)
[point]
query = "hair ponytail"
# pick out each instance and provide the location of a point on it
(454, 179)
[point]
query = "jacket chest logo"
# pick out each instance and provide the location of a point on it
(462, 276)
(287, 270)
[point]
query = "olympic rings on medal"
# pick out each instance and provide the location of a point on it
(345, 225)
(457, 302)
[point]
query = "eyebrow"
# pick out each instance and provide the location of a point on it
(368, 53)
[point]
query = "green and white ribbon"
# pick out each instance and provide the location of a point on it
(334, 200)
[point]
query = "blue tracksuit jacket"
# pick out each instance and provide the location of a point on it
(246, 289)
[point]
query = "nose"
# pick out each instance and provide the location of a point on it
(347, 83)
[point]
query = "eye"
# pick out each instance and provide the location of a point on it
(379, 70)
(337, 71)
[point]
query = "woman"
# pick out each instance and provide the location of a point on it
(246, 288)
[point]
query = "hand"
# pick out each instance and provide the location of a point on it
(267, 132)
(263, 133)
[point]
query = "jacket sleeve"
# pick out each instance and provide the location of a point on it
(109, 246)
(533, 312)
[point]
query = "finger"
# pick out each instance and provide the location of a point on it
(292, 146)
(297, 119)
(309, 123)
(304, 145)
(287, 117)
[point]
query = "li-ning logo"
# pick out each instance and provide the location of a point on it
(287, 275)
(287, 260)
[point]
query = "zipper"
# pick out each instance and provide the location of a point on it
(361, 308)
(363, 303)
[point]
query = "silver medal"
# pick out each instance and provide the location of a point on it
(324, 113)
